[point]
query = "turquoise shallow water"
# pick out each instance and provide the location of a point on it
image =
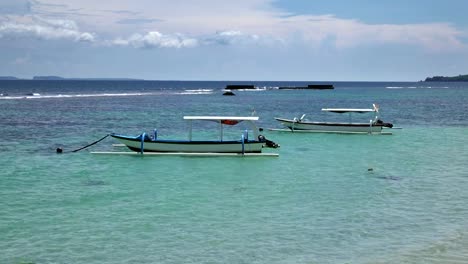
(316, 203)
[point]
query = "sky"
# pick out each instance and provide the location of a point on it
(276, 40)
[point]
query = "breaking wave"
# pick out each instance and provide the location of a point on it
(61, 96)
(196, 91)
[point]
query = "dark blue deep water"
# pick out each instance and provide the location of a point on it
(318, 202)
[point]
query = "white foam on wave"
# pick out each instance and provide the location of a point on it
(194, 92)
(60, 96)
(199, 90)
(38, 96)
(257, 89)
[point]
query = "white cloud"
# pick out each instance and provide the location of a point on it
(155, 39)
(348, 33)
(231, 37)
(254, 21)
(40, 28)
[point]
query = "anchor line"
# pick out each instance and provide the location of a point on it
(89, 145)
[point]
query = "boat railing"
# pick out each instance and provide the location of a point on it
(155, 134)
(142, 144)
(302, 117)
(243, 143)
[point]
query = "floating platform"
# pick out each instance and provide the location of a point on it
(320, 86)
(239, 86)
(309, 87)
(329, 132)
(187, 154)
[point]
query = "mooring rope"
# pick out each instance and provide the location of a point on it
(59, 150)
(95, 142)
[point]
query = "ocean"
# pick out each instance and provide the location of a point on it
(327, 198)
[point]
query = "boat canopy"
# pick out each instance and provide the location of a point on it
(347, 110)
(225, 120)
(221, 118)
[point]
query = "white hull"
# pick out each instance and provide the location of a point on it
(193, 146)
(190, 154)
(332, 127)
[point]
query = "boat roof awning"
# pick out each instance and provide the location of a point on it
(220, 118)
(347, 110)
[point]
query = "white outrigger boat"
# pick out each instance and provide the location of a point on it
(375, 125)
(147, 143)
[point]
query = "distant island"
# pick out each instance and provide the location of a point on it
(459, 78)
(8, 78)
(48, 78)
(58, 78)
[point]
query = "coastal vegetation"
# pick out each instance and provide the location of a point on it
(459, 78)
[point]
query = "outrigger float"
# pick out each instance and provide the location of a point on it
(245, 146)
(374, 126)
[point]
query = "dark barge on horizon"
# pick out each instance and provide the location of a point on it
(309, 87)
(239, 87)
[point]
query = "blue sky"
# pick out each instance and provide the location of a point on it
(304, 40)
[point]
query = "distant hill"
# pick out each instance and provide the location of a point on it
(104, 79)
(459, 78)
(47, 78)
(8, 78)
(58, 78)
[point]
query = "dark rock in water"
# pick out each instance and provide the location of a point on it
(95, 183)
(239, 189)
(239, 86)
(228, 93)
(392, 178)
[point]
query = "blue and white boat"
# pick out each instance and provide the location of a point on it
(374, 126)
(245, 143)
